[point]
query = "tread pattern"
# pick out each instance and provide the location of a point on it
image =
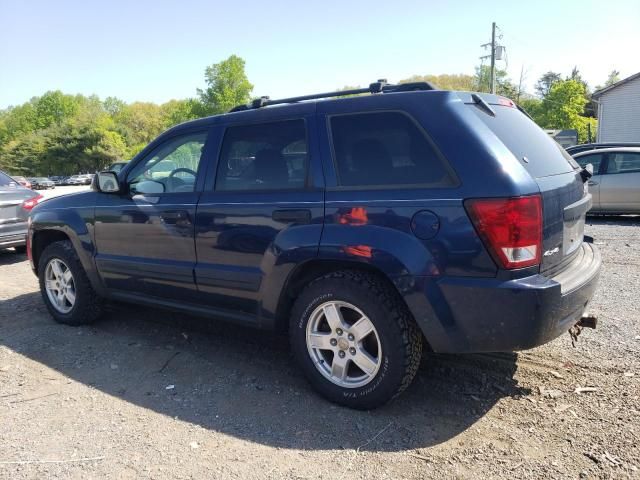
(410, 342)
(89, 306)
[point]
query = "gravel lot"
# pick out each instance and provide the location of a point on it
(150, 394)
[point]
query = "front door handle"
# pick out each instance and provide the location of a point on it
(179, 218)
(591, 183)
(301, 216)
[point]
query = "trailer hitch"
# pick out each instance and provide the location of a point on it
(587, 321)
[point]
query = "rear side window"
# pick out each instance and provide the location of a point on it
(7, 181)
(384, 149)
(623, 163)
(266, 156)
(595, 160)
(524, 138)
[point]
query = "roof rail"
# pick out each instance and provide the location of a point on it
(380, 86)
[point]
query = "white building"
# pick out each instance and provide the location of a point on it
(619, 111)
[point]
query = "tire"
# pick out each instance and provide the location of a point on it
(394, 344)
(21, 249)
(87, 305)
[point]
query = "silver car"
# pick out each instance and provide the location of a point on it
(615, 185)
(16, 202)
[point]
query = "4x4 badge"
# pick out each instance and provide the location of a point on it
(553, 251)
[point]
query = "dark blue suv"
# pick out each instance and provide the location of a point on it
(370, 227)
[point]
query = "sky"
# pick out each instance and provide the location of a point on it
(141, 50)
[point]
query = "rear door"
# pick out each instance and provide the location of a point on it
(565, 200)
(597, 160)
(620, 184)
(261, 215)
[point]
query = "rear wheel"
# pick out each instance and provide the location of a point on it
(64, 285)
(355, 339)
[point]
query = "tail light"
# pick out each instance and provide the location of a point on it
(511, 228)
(31, 202)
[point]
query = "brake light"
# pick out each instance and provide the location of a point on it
(511, 228)
(31, 202)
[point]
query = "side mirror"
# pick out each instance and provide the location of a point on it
(589, 168)
(107, 182)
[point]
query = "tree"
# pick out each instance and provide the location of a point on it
(178, 111)
(563, 108)
(504, 86)
(227, 86)
(613, 77)
(546, 81)
(459, 81)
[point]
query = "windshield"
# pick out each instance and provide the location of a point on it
(524, 138)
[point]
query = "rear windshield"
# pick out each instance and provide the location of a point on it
(524, 138)
(7, 181)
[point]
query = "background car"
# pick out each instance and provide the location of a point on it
(22, 181)
(615, 185)
(41, 183)
(597, 146)
(16, 202)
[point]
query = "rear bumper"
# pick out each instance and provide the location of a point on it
(459, 315)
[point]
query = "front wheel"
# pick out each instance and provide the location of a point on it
(354, 339)
(65, 287)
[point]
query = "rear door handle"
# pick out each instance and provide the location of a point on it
(292, 216)
(591, 182)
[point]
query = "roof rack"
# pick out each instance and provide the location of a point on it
(381, 86)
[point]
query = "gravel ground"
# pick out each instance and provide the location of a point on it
(150, 394)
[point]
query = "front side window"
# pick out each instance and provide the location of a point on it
(623, 163)
(170, 168)
(595, 160)
(266, 156)
(385, 148)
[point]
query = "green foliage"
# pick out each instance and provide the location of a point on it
(459, 82)
(504, 86)
(227, 86)
(545, 83)
(614, 77)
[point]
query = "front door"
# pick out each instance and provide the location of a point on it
(595, 159)
(261, 216)
(145, 236)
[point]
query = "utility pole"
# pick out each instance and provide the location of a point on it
(493, 57)
(496, 53)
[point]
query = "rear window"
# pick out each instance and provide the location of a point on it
(266, 156)
(386, 149)
(623, 163)
(524, 138)
(7, 181)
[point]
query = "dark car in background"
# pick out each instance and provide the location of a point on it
(58, 180)
(16, 202)
(41, 183)
(368, 227)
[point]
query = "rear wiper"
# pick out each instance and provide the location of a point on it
(478, 100)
